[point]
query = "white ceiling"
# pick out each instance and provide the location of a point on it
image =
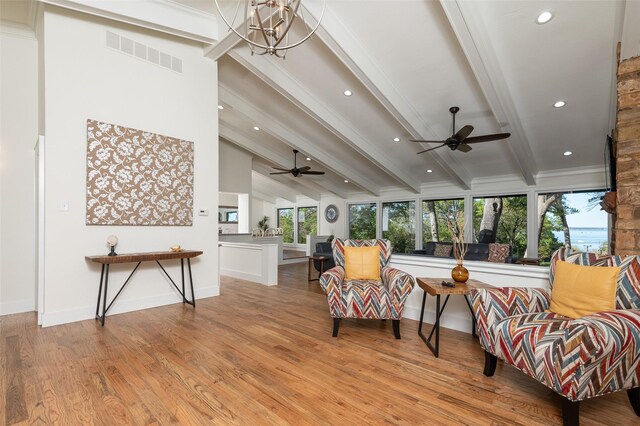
(407, 62)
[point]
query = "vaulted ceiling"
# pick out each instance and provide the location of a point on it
(406, 63)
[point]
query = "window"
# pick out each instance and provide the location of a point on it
(434, 218)
(285, 221)
(362, 221)
(399, 225)
(571, 219)
(501, 220)
(307, 223)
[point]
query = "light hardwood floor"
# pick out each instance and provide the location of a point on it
(262, 355)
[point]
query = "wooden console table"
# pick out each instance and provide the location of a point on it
(106, 261)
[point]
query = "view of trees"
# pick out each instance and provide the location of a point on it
(307, 223)
(435, 215)
(398, 225)
(501, 220)
(495, 219)
(285, 221)
(362, 221)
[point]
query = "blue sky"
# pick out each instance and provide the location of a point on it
(594, 218)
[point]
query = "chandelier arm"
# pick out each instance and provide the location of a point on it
(324, 6)
(286, 30)
(236, 31)
(264, 35)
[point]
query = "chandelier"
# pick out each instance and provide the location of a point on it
(267, 23)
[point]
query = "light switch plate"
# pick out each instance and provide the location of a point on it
(203, 212)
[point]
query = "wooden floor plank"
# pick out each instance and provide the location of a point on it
(263, 355)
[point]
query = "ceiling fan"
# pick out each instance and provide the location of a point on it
(296, 171)
(460, 141)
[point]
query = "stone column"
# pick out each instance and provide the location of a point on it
(627, 222)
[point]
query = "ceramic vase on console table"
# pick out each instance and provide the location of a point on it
(456, 224)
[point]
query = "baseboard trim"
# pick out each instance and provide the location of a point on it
(17, 307)
(88, 312)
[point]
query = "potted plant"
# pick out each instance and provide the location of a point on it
(264, 223)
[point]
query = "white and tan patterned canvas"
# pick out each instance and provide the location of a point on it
(137, 178)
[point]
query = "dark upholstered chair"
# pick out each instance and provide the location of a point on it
(324, 249)
(366, 298)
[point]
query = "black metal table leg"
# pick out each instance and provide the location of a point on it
(100, 290)
(193, 295)
(435, 349)
(104, 296)
(184, 299)
(424, 302)
(473, 317)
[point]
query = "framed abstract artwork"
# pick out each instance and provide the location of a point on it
(137, 178)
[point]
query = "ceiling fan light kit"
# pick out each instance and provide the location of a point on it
(296, 172)
(459, 141)
(267, 23)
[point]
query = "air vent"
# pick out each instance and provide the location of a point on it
(143, 52)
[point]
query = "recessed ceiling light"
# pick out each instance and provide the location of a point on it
(348, 93)
(308, 159)
(429, 171)
(544, 17)
(567, 153)
(256, 128)
(346, 181)
(559, 104)
(396, 139)
(220, 107)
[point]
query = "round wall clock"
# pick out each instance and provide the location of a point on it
(331, 213)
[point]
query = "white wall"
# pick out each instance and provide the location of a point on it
(259, 209)
(85, 79)
(235, 169)
(18, 135)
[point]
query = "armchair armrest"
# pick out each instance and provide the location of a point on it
(399, 284)
(491, 305)
(332, 279)
(331, 282)
(604, 350)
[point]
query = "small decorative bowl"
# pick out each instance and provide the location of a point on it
(176, 249)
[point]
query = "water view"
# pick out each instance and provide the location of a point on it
(586, 239)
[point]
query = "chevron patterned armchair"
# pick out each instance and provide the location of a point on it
(367, 299)
(577, 358)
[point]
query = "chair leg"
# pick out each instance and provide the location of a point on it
(396, 328)
(490, 363)
(336, 326)
(634, 399)
(570, 412)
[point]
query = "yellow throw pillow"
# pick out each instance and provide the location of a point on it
(362, 263)
(583, 290)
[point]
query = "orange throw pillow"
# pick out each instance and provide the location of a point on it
(362, 263)
(583, 290)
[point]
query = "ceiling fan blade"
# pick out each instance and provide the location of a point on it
(463, 147)
(487, 138)
(304, 169)
(431, 149)
(280, 173)
(463, 133)
(312, 172)
(280, 168)
(421, 141)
